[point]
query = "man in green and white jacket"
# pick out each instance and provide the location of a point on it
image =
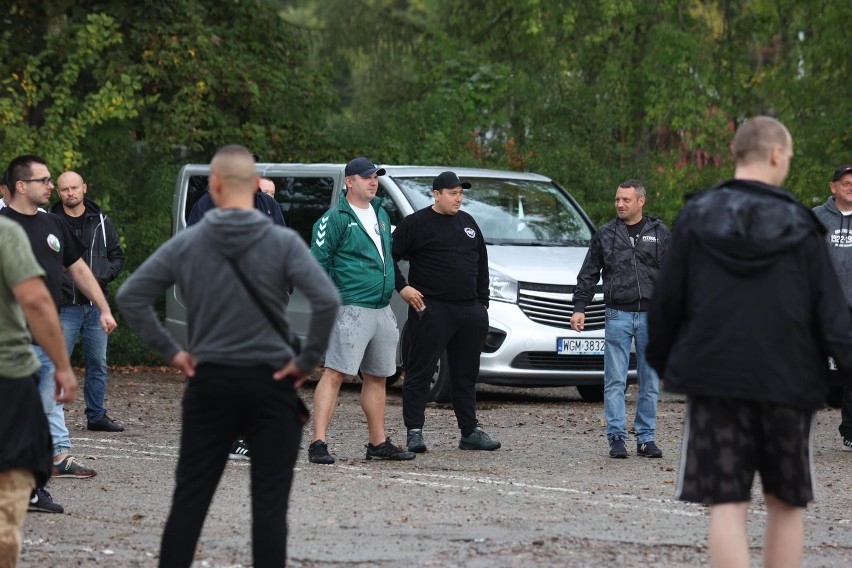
(352, 242)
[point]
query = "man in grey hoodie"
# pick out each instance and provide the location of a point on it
(242, 374)
(836, 215)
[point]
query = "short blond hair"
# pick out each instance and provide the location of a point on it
(755, 139)
(235, 165)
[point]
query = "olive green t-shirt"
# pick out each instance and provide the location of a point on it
(17, 265)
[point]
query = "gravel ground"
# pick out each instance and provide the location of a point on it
(549, 497)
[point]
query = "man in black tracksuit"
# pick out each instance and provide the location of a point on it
(447, 291)
(78, 315)
(836, 216)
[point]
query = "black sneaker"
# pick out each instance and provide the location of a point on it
(617, 449)
(239, 451)
(104, 424)
(478, 440)
(387, 451)
(318, 453)
(847, 444)
(648, 450)
(414, 441)
(42, 502)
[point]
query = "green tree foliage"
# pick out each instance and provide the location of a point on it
(188, 74)
(55, 99)
(590, 93)
(116, 89)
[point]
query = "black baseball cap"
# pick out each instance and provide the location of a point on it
(447, 180)
(363, 167)
(841, 171)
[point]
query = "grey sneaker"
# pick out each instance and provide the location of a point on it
(847, 444)
(478, 440)
(318, 453)
(617, 449)
(414, 441)
(387, 451)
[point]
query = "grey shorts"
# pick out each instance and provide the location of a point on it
(365, 339)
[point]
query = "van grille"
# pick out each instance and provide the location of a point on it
(552, 305)
(550, 361)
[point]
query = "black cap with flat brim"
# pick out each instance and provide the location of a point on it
(448, 180)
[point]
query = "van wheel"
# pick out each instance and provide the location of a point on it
(439, 389)
(591, 393)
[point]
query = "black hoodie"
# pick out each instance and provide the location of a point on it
(104, 255)
(747, 303)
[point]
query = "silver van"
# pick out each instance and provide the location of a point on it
(537, 236)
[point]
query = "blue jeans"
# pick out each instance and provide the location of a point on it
(622, 328)
(85, 321)
(54, 411)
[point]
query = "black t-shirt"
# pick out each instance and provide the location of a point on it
(75, 222)
(634, 230)
(54, 244)
(447, 256)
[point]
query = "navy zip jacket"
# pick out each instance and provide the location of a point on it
(262, 202)
(628, 272)
(748, 305)
(104, 256)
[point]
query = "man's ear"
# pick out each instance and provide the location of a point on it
(775, 154)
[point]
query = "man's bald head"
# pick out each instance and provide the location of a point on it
(72, 191)
(232, 173)
(68, 178)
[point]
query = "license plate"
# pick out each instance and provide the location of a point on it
(566, 346)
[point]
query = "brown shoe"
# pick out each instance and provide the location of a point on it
(69, 467)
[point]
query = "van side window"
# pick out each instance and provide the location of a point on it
(389, 206)
(196, 187)
(303, 200)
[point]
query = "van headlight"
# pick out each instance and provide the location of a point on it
(501, 288)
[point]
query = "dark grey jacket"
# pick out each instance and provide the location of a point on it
(224, 326)
(839, 239)
(104, 255)
(628, 272)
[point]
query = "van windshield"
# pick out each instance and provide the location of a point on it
(512, 212)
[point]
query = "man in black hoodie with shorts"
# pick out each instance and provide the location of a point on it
(744, 316)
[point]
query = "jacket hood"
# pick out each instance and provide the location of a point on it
(92, 208)
(234, 231)
(831, 206)
(745, 224)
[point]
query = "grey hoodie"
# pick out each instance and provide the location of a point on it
(224, 326)
(839, 239)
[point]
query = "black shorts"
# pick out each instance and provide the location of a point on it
(726, 440)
